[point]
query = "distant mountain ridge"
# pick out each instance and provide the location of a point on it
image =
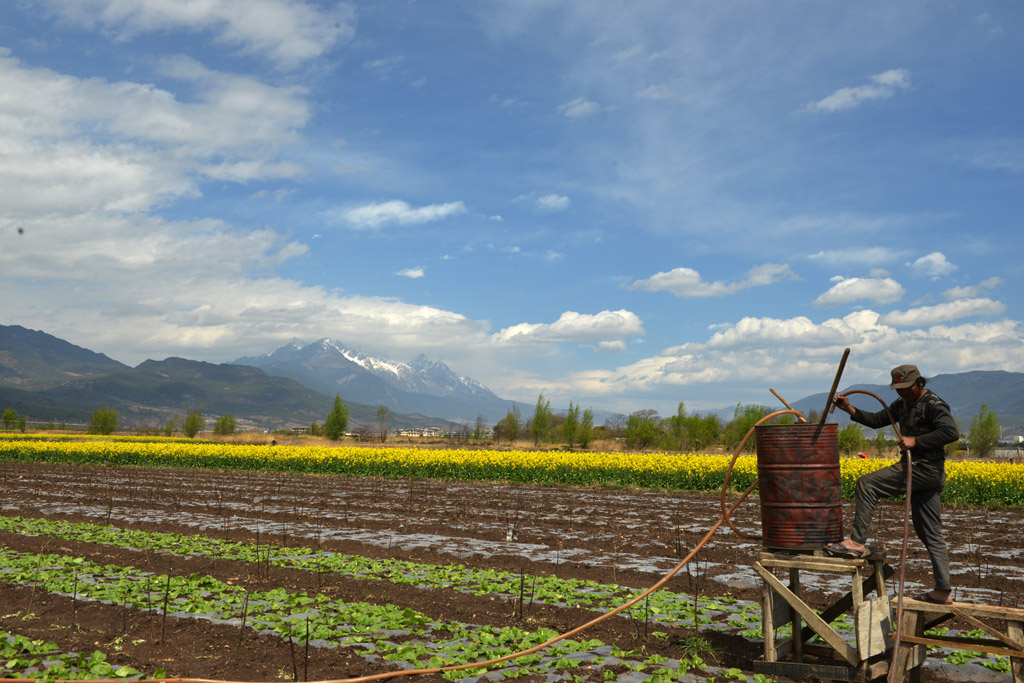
(48, 379)
(419, 386)
(30, 359)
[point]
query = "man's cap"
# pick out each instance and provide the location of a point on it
(904, 376)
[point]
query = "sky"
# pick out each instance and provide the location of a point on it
(620, 204)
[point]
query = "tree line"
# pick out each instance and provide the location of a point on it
(641, 430)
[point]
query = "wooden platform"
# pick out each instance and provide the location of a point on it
(839, 660)
(1005, 625)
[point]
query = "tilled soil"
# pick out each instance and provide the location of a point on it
(629, 537)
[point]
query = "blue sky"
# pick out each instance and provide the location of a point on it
(621, 204)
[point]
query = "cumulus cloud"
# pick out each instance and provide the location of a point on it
(933, 266)
(688, 283)
(847, 290)
(801, 352)
(411, 273)
(573, 327)
(73, 145)
(289, 32)
(553, 202)
(393, 212)
(973, 291)
(579, 108)
(880, 86)
(932, 315)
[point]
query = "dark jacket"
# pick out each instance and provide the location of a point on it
(929, 421)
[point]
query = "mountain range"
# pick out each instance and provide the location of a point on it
(419, 386)
(49, 379)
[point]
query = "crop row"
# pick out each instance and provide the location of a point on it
(978, 483)
(664, 607)
(392, 633)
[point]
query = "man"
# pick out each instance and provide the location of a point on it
(926, 425)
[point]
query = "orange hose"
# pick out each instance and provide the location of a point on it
(732, 463)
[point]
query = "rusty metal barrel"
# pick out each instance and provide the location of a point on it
(800, 485)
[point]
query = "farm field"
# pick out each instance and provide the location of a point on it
(195, 573)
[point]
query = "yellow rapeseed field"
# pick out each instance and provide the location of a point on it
(981, 483)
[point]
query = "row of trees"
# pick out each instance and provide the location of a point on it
(646, 429)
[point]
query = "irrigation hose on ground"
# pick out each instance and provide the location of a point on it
(515, 655)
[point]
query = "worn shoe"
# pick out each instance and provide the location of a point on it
(840, 550)
(927, 597)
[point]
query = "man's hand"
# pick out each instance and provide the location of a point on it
(906, 443)
(843, 404)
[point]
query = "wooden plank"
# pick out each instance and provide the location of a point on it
(908, 658)
(994, 632)
(858, 589)
(844, 603)
(874, 624)
(794, 616)
(974, 609)
(768, 623)
(1015, 629)
(817, 564)
(822, 628)
(968, 643)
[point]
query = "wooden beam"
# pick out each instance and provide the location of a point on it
(821, 627)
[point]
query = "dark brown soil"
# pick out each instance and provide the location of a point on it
(587, 533)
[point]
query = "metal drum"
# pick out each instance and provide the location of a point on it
(800, 486)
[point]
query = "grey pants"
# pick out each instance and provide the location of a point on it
(926, 484)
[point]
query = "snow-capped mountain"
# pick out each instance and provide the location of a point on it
(419, 386)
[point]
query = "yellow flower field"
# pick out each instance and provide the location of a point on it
(979, 483)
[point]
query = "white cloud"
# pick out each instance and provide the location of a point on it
(611, 346)
(579, 108)
(934, 265)
(573, 327)
(688, 283)
(289, 32)
(800, 352)
(856, 256)
(553, 202)
(973, 291)
(411, 273)
(932, 315)
(882, 86)
(847, 290)
(73, 145)
(395, 211)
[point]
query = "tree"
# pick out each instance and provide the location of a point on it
(103, 421)
(880, 443)
(383, 422)
(225, 425)
(193, 423)
(615, 425)
(984, 435)
(336, 423)
(744, 417)
(170, 426)
(586, 428)
(315, 429)
(540, 426)
(509, 426)
(703, 430)
(851, 439)
(571, 424)
(678, 429)
(481, 427)
(642, 429)
(10, 418)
